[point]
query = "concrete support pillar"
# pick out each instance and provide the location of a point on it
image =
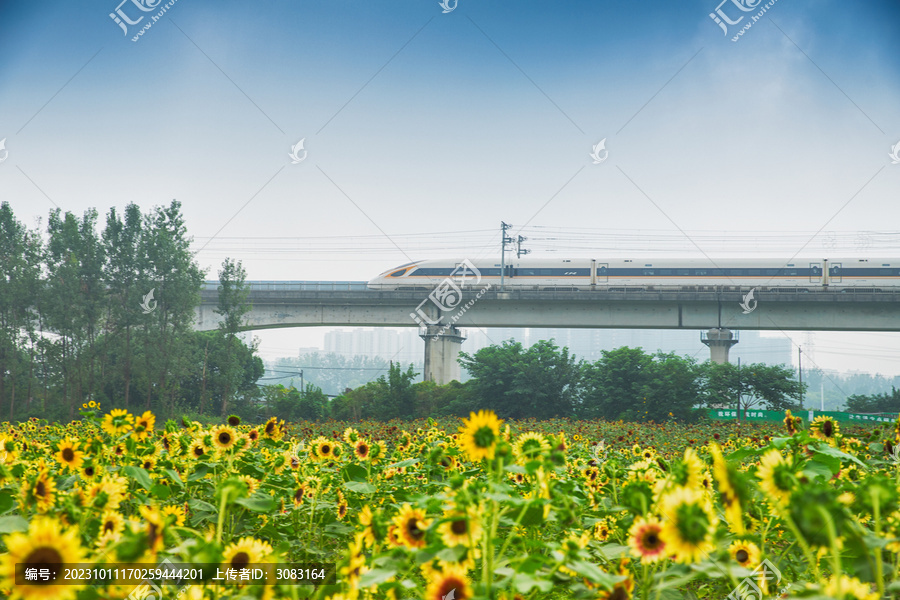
(442, 348)
(720, 340)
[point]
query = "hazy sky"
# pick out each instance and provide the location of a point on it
(418, 121)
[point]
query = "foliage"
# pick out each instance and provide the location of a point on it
(875, 403)
(773, 387)
(540, 381)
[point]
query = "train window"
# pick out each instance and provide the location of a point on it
(754, 271)
(399, 273)
(734, 272)
(665, 271)
(433, 272)
(526, 272)
(682, 271)
(885, 272)
(771, 271)
(545, 272)
(649, 272)
(701, 272)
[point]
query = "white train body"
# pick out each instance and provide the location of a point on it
(649, 274)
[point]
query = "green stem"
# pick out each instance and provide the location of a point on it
(879, 568)
(221, 520)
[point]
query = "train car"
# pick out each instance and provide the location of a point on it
(649, 274)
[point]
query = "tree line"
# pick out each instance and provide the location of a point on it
(105, 316)
(545, 381)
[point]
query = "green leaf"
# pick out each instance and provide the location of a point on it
(13, 523)
(140, 475)
(6, 502)
(360, 487)
(375, 576)
(201, 505)
(829, 451)
(820, 468)
(160, 492)
(258, 502)
(403, 463)
(593, 572)
(199, 472)
(524, 583)
(174, 476)
(355, 473)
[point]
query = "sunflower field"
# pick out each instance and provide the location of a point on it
(456, 510)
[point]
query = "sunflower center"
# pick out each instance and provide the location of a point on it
(828, 428)
(693, 523)
(326, 449)
(362, 449)
(40, 489)
(198, 451)
(224, 438)
(652, 541)
(43, 557)
(240, 560)
(484, 437)
(742, 556)
(459, 527)
(89, 471)
(148, 464)
(68, 454)
(109, 526)
(412, 528)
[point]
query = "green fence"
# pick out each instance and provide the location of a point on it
(772, 416)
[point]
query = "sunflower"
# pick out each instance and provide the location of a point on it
(148, 462)
(825, 428)
(601, 530)
(234, 420)
(88, 471)
(351, 436)
(623, 589)
(174, 511)
(117, 421)
(244, 552)
(689, 471)
(479, 436)
(361, 449)
(299, 494)
(112, 524)
(321, 448)
(411, 525)
(273, 429)
(369, 535)
(530, 446)
(405, 441)
(252, 484)
(48, 544)
(449, 582)
(41, 492)
(143, 425)
(791, 423)
(776, 477)
(460, 529)
(636, 450)
(253, 435)
(745, 554)
(645, 541)
(198, 450)
(156, 524)
(69, 456)
(849, 588)
(689, 525)
(224, 437)
(341, 505)
(728, 490)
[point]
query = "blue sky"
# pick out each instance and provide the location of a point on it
(418, 121)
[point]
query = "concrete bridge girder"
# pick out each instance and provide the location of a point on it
(810, 311)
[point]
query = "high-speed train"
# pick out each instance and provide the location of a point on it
(853, 274)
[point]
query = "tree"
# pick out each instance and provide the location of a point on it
(19, 280)
(627, 383)
(394, 395)
(875, 403)
(540, 382)
(755, 384)
(232, 307)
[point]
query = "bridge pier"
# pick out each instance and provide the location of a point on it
(719, 340)
(442, 348)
